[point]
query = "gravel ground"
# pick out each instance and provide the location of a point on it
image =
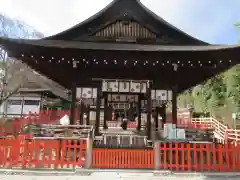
(107, 176)
(111, 175)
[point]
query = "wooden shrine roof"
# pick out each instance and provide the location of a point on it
(64, 63)
(126, 41)
(61, 44)
(127, 11)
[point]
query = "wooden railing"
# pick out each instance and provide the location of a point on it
(233, 135)
(221, 131)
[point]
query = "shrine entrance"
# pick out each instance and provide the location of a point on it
(120, 111)
(124, 106)
(129, 100)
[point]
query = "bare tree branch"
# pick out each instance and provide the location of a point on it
(13, 73)
(11, 77)
(9, 95)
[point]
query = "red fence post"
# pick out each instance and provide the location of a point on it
(238, 157)
(233, 157)
(227, 158)
(220, 157)
(157, 155)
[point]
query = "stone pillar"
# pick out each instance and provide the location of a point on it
(106, 109)
(149, 110)
(73, 104)
(139, 110)
(174, 105)
(98, 106)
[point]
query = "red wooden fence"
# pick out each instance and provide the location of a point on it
(123, 158)
(22, 153)
(173, 156)
(199, 157)
(25, 152)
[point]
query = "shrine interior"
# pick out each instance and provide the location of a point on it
(125, 100)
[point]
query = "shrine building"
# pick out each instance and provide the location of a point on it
(124, 53)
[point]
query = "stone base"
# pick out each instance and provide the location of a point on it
(149, 143)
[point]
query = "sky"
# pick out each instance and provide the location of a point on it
(209, 20)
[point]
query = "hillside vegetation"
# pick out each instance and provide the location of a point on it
(218, 95)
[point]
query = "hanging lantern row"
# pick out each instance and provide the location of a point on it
(175, 65)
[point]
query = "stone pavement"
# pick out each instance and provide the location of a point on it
(112, 175)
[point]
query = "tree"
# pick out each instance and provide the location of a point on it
(218, 95)
(12, 76)
(232, 81)
(10, 81)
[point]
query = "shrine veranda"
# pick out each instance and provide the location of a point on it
(125, 54)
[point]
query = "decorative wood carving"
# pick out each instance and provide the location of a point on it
(122, 31)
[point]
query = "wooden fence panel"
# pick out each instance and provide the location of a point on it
(123, 158)
(199, 157)
(51, 154)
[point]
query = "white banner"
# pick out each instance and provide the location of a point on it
(86, 93)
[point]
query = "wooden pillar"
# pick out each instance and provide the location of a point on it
(139, 110)
(156, 117)
(163, 114)
(149, 110)
(98, 106)
(106, 109)
(130, 112)
(81, 113)
(73, 104)
(78, 112)
(174, 105)
(88, 115)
